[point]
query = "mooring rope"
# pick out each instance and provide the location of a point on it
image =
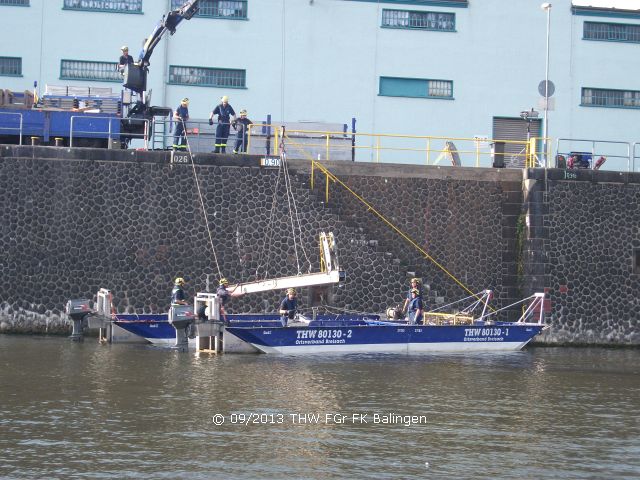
(371, 208)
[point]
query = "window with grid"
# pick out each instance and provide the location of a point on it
(14, 3)
(616, 32)
(11, 66)
(207, 77)
(218, 8)
(415, 87)
(87, 70)
(419, 20)
(610, 98)
(121, 6)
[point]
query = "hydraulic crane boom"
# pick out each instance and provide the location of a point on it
(135, 76)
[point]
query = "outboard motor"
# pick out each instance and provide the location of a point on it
(181, 317)
(395, 313)
(78, 311)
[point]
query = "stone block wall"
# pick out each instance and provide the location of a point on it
(75, 220)
(583, 247)
(464, 218)
(73, 225)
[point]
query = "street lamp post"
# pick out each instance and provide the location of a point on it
(547, 7)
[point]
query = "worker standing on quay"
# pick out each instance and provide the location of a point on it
(224, 112)
(415, 284)
(224, 295)
(242, 127)
(180, 116)
(288, 306)
(177, 294)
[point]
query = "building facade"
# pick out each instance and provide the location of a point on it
(440, 68)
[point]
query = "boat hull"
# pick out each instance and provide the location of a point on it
(389, 338)
(156, 329)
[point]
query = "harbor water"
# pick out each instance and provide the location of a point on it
(83, 410)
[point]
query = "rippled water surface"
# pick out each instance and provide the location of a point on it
(72, 410)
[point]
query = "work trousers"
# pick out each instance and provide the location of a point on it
(179, 138)
(222, 134)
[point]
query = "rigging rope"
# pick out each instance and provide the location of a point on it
(293, 208)
(204, 210)
(269, 232)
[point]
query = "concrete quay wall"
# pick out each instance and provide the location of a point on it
(75, 220)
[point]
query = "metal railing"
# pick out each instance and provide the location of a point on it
(634, 154)
(457, 151)
(109, 132)
(616, 154)
(200, 134)
(264, 138)
(19, 128)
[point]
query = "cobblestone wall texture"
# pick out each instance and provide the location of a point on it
(75, 223)
(71, 226)
(592, 230)
(459, 223)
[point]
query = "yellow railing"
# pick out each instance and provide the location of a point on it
(399, 148)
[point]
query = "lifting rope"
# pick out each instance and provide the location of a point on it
(372, 209)
(200, 197)
(293, 208)
(268, 236)
(294, 216)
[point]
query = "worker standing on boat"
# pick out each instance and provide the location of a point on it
(288, 306)
(177, 294)
(415, 284)
(415, 308)
(224, 295)
(224, 112)
(180, 116)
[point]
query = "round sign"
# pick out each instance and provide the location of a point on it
(550, 88)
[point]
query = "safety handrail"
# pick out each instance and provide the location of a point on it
(378, 147)
(144, 136)
(13, 128)
(596, 150)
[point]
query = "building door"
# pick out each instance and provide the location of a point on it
(515, 129)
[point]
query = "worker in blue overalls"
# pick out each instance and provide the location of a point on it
(288, 306)
(224, 112)
(242, 127)
(180, 116)
(177, 294)
(414, 284)
(415, 308)
(224, 294)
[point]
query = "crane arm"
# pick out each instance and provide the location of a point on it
(169, 23)
(135, 76)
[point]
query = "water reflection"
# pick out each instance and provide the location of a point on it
(119, 411)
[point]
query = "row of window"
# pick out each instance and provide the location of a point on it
(238, 9)
(235, 78)
(218, 8)
(10, 66)
(600, 97)
(419, 20)
(126, 6)
(616, 32)
(409, 19)
(208, 8)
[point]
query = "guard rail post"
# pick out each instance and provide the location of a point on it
(327, 147)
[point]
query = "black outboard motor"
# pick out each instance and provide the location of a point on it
(78, 311)
(181, 317)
